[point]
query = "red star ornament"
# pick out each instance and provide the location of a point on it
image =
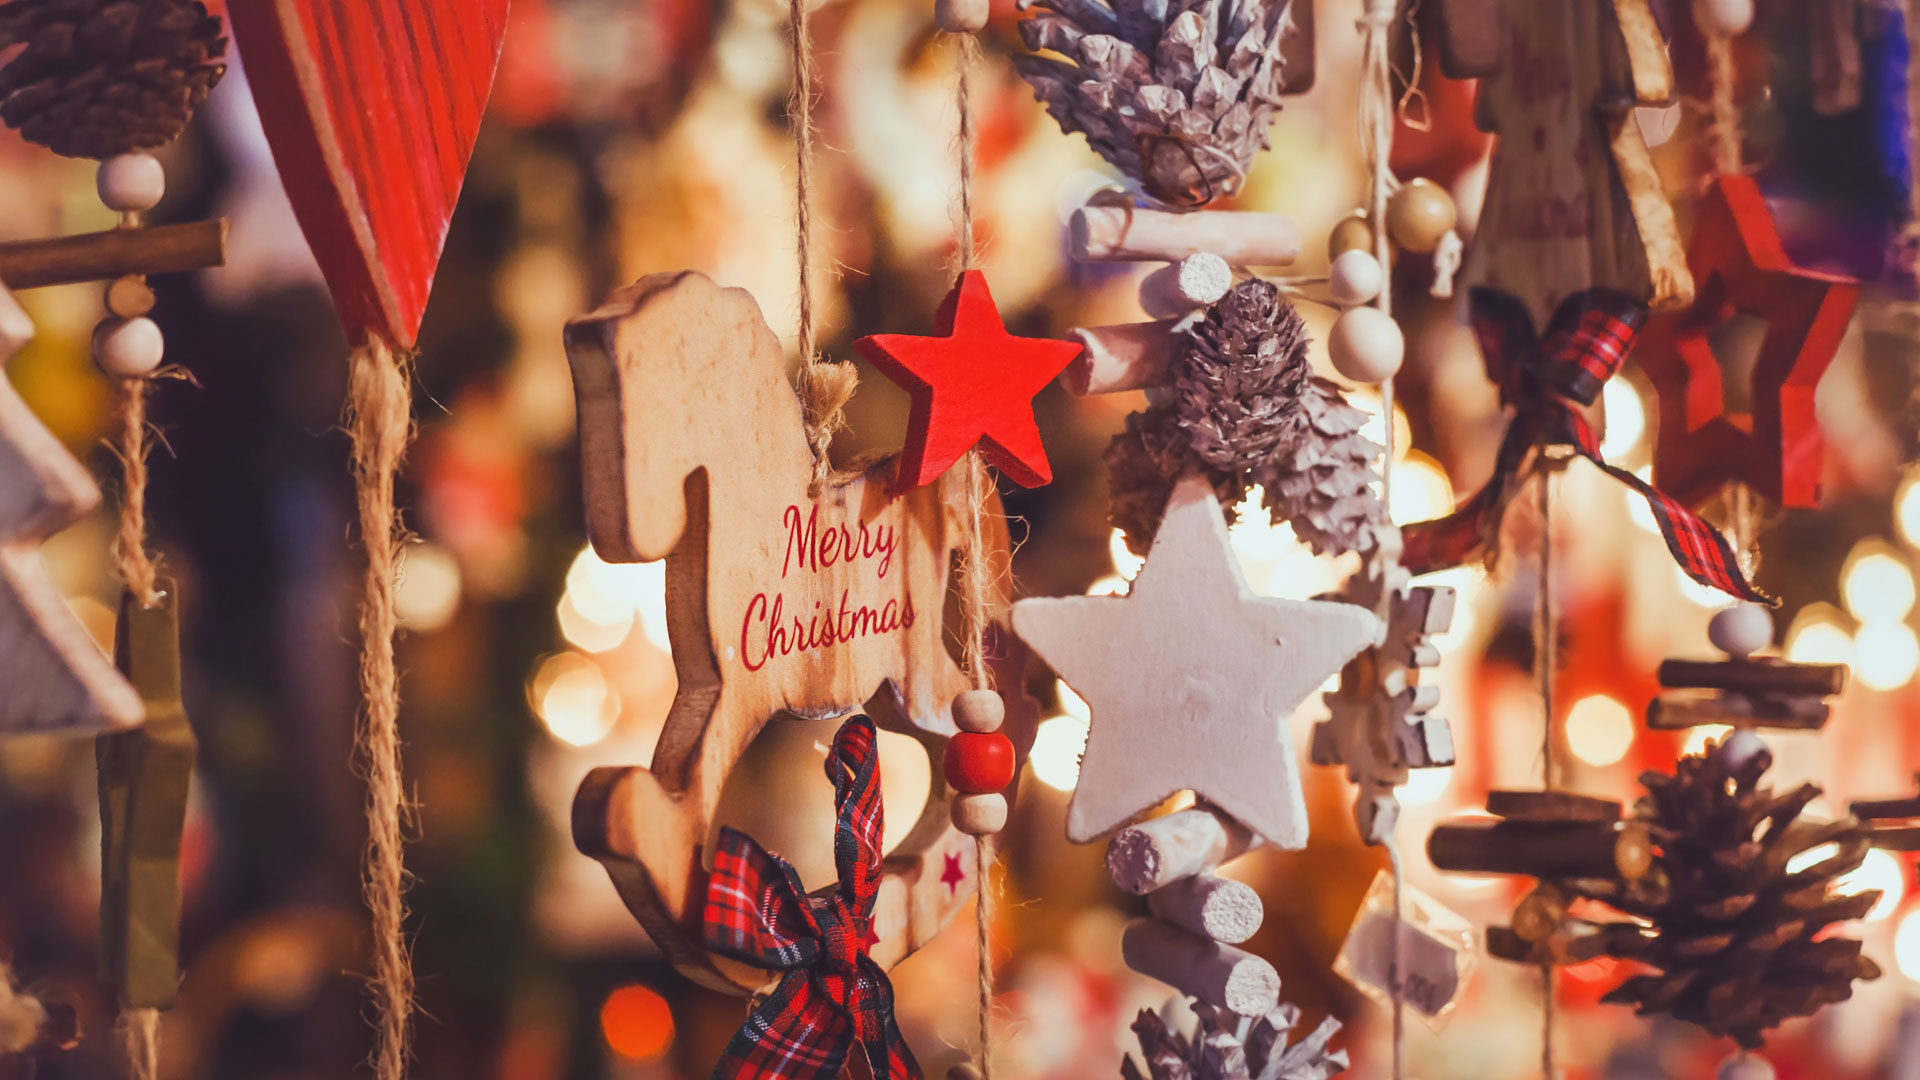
(972, 383)
(954, 874)
(1740, 266)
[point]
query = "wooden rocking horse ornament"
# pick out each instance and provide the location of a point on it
(778, 601)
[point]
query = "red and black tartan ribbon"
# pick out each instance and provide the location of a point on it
(1543, 377)
(832, 993)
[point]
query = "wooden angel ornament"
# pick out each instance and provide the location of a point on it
(1573, 201)
(778, 601)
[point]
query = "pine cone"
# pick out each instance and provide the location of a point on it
(1322, 487)
(103, 77)
(1177, 94)
(1214, 1053)
(1731, 930)
(1237, 392)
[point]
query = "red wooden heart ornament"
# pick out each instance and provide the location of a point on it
(371, 108)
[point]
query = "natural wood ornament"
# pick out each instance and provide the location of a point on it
(1741, 266)
(692, 450)
(1191, 679)
(1573, 200)
(53, 676)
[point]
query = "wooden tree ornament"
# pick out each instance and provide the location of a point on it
(693, 450)
(53, 676)
(1741, 268)
(1895, 822)
(371, 108)
(1573, 200)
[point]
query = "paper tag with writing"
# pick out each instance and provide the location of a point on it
(1437, 951)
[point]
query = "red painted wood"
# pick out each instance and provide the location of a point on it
(972, 383)
(371, 108)
(978, 762)
(1739, 265)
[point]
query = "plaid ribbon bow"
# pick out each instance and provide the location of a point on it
(1543, 377)
(832, 992)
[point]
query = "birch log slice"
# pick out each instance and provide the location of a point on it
(1160, 851)
(1231, 978)
(1215, 907)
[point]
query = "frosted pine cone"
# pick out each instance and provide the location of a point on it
(1213, 1053)
(1177, 94)
(1238, 392)
(1323, 486)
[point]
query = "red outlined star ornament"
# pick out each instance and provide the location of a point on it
(971, 383)
(1739, 266)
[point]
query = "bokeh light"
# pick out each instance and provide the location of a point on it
(1057, 746)
(1600, 730)
(1880, 870)
(637, 1023)
(1424, 787)
(1698, 737)
(1817, 636)
(426, 592)
(1876, 583)
(1626, 419)
(570, 695)
(1420, 490)
(1906, 508)
(1885, 655)
(1906, 944)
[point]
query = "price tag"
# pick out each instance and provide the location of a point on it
(1437, 951)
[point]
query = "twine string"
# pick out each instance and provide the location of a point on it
(1545, 658)
(379, 421)
(976, 574)
(824, 387)
(1725, 139)
(140, 1040)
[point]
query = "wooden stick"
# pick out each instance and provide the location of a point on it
(1156, 853)
(1572, 850)
(1755, 676)
(1242, 238)
(164, 249)
(1222, 975)
(1132, 356)
(1691, 708)
(1215, 907)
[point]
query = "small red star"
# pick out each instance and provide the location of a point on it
(1740, 266)
(869, 939)
(973, 383)
(953, 875)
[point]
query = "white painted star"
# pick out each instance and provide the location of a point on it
(1191, 679)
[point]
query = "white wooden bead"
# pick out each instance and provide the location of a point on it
(131, 182)
(1365, 345)
(1723, 18)
(1741, 630)
(979, 710)
(1745, 1066)
(960, 16)
(980, 815)
(1355, 278)
(128, 348)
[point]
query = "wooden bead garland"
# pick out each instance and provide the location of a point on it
(960, 16)
(1355, 278)
(128, 348)
(1366, 345)
(1353, 233)
(1419, 214)
(131, 183)
(979, 763)
(1724, 18)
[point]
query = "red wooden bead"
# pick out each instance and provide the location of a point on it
(978, 762)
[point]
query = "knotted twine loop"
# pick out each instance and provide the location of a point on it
(1725, 139)
(825, 387)
(379, 420)
(130, 558)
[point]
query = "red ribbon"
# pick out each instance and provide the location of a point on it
(832, 993)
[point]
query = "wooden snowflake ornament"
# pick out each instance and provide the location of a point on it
(53, 677)
(1191, 679)
(1741, 268)
(777, 602)
(1380, 724)
(972, 382)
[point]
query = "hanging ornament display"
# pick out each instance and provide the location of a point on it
(1177, 96)
(779, 600)
(1546, 377)
(1420, 959)
(1573, 201)
(831, 995)
(1773, 446)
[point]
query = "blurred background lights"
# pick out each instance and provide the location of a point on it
(427, 591)
(1876, 584)
(570, 695)
(1881, 870)
(1638, 511)
(1059, 742)
(1125, 562)
(1906, 944)
(1906, 508)
(637, 1023)
(1420, 491)
(1599, 730)
(604, 600)
(1424, 786)
(1698, 737)
(1626, 419)
(1817, 636)
(1885, 655)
